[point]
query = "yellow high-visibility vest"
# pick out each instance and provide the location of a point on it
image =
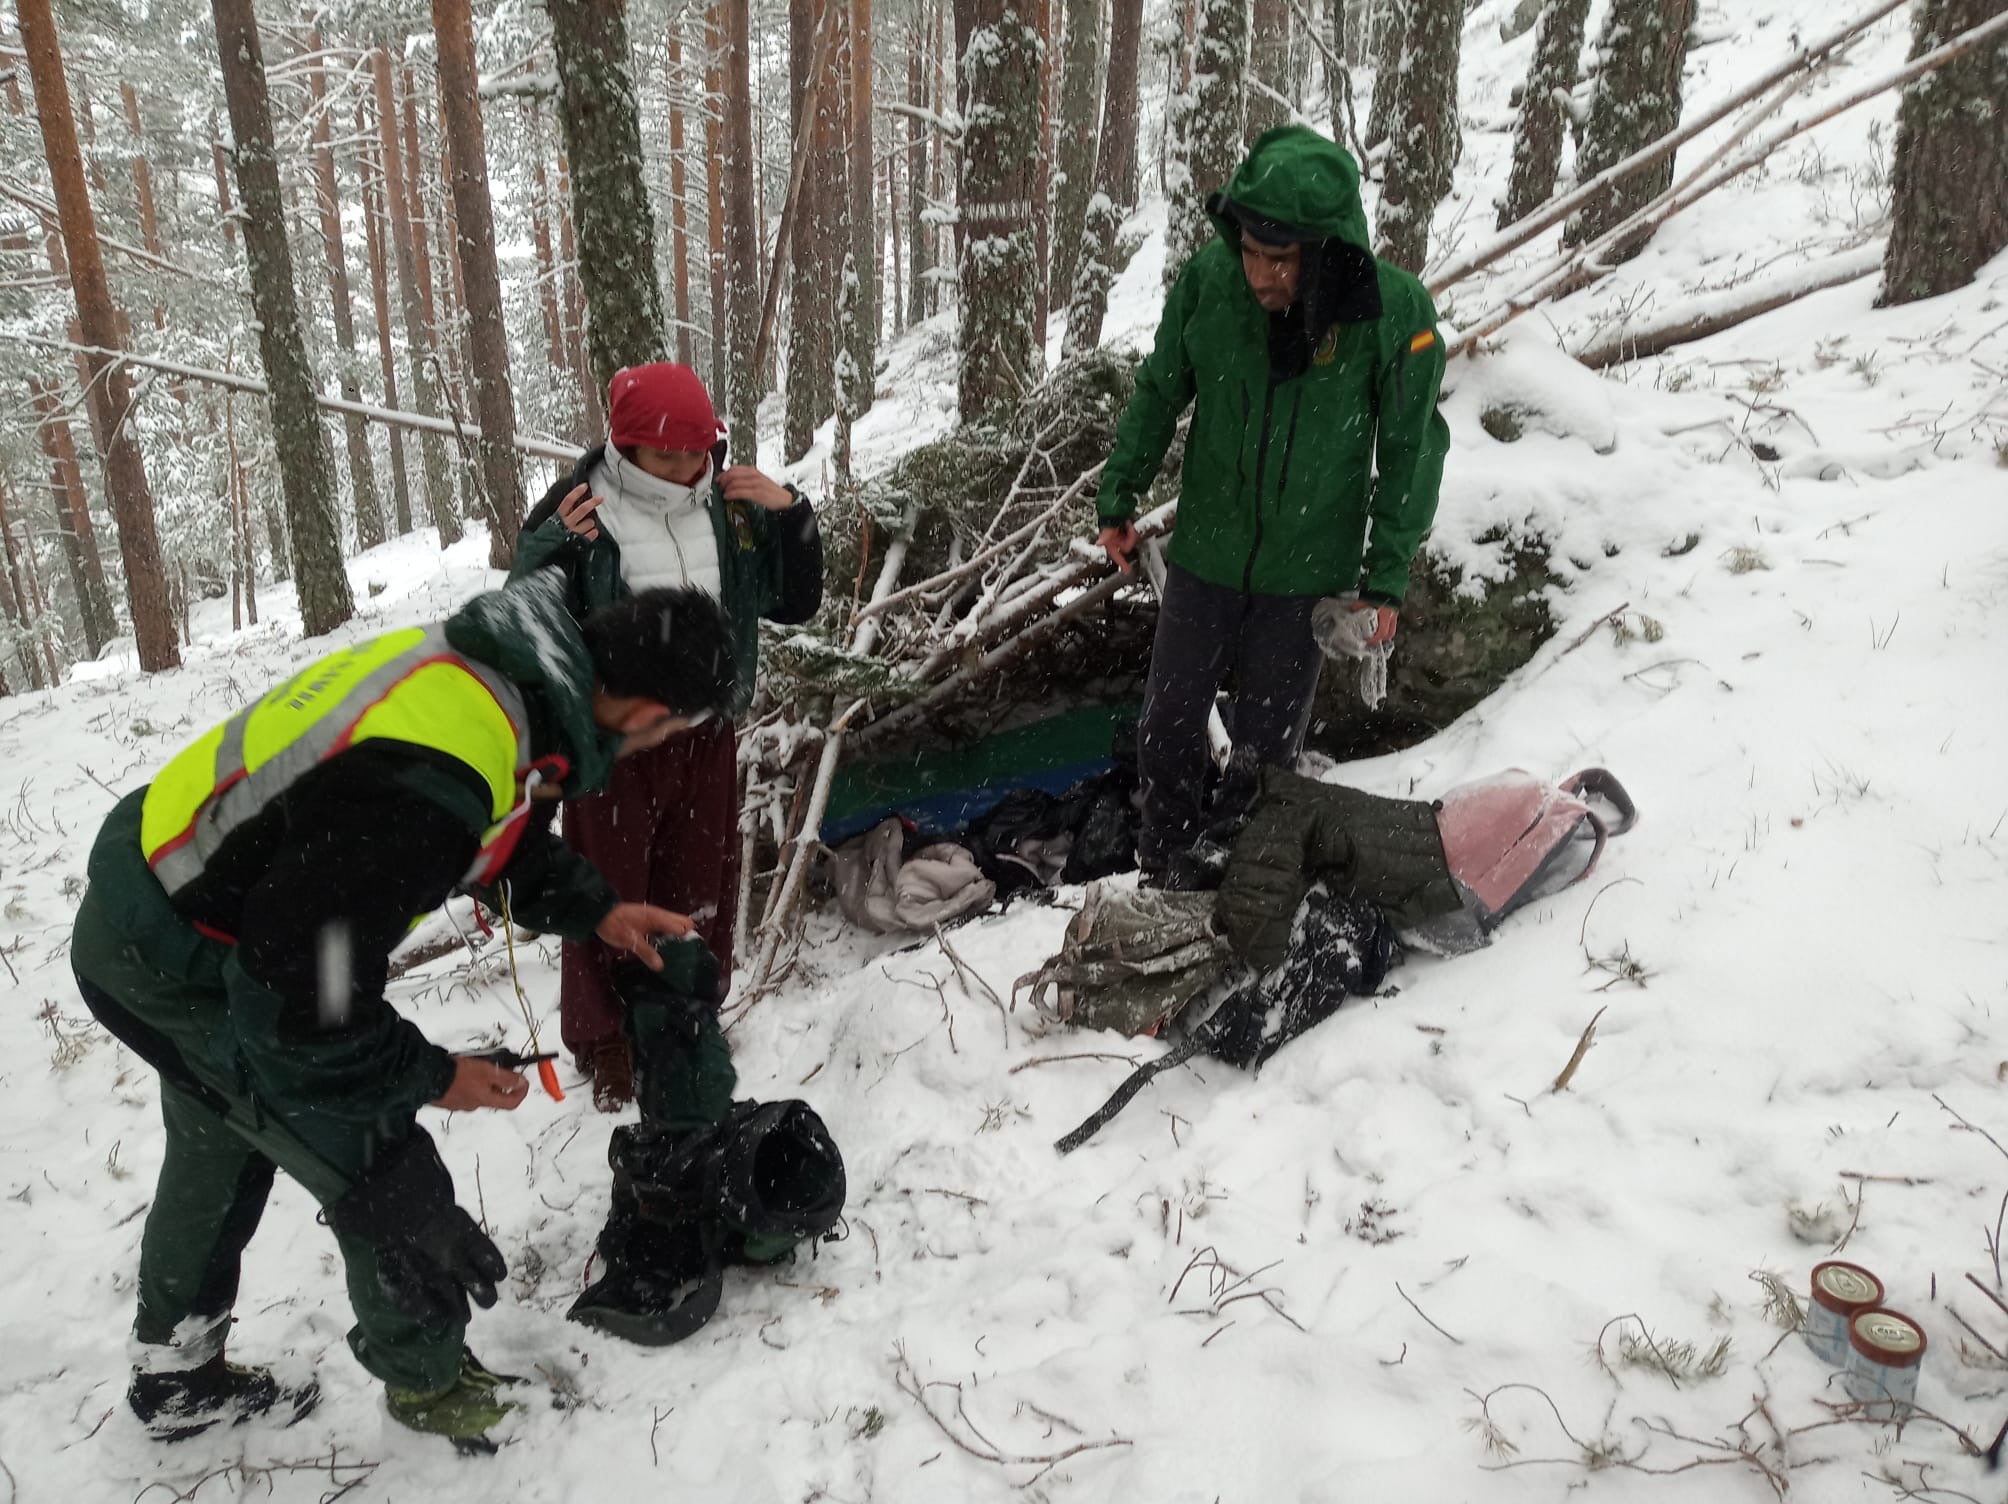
(405, 686)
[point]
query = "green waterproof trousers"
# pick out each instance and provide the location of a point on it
(158, 987)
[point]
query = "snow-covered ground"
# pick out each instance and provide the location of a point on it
(1295, 1286)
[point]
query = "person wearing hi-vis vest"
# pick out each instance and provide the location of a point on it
(236, 935)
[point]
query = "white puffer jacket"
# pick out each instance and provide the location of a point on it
(664, 530)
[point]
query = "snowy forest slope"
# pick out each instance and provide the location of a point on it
(1783, 625)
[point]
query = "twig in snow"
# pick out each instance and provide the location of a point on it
(1025, 1065)
(1609, 618)
(1861, 1195)
(1459, 1341)
(983, 1449)
(1968, 1125)
(655, 1458)
(1582, 1048)
(1998, 1301)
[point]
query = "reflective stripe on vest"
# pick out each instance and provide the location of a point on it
(405, 686)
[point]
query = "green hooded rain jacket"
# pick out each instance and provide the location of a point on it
(1284, 477)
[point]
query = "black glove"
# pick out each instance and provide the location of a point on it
(431, 1257)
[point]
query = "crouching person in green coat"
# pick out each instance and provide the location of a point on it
(236, 934)
(1311, 471)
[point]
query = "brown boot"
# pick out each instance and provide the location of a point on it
(612, 1070)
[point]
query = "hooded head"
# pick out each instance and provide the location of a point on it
(1296, 188)
(672, 647)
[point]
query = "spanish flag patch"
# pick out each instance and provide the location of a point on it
(1422, 342)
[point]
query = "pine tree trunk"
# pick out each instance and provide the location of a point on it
(813, 260)
(24, 602)
(142, 187)
(224, 209)
(592, 421)
(1949, 195)
(895, 240)
(1042, 189)
(362, 472)
(941, 254)
(1206, 128)
(714, 194)
(110, 390)
(864, 225)
(298, 438)
(1080, 93)
(417, 327)
(1424, 139)
(1636, 101)
(742, 235)
(1269, 67)
(474, 231)
(1114, 184)
(374, 233)
(1544, 109)
(540, 238)
(679, 217)
(1387, 35)
(73, 520)
(999, 356)
(916, 186)
(616, 227)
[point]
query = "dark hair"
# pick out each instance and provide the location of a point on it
(673, 646)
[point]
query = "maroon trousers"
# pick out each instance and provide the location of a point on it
(666, 832)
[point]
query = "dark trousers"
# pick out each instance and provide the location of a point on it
(223, 1148)
(666, 832)
(1205, 633)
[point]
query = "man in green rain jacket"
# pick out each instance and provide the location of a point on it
(236, 936)
(1311, 469)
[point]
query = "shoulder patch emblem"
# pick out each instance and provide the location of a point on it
(742, 527)
(1328, 348)
(1422, 342)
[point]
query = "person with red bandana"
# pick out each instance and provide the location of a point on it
(656, 506)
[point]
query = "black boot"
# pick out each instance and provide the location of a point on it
(659, 1282)
(179, 1404)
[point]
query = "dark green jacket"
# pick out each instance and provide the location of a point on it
(1280, 481)
(376, 835)
(771, 563)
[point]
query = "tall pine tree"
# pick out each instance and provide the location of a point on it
(1423, 136)
(999, 354)
(625, 325)
(1206, 125)
(297, 436)
(1949, 196)
(1544, 109)
(1637, 100)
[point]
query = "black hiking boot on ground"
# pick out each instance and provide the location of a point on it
(658, 1283)
(176, 1405)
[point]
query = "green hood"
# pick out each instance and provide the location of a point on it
(1300, 179)
(525, 631)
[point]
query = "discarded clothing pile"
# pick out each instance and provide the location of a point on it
(892, 879)
(1322, 888)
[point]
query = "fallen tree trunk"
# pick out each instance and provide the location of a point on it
(1725, 310)
(389, 416)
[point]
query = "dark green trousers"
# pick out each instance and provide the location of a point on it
(160, 990)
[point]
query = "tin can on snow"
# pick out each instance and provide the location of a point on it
(1840, 1293)
(1886, 1349)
